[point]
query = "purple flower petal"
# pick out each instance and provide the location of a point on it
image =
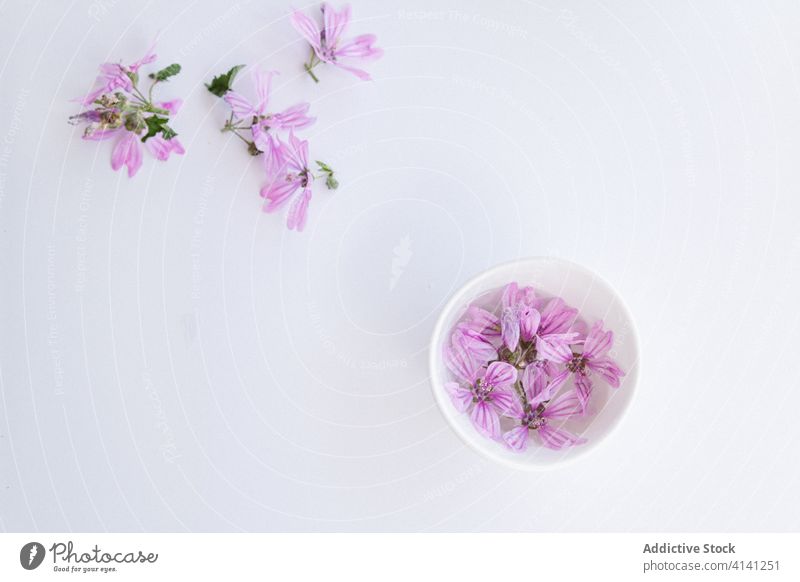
(481, 350)
(298, 211)
(307, 28)
(517, 438)
(334, 23)
(161, 148)
(529, 323)
(239, 104)
(607, 369)
(557, 438)
(294, 117)
(583, 389)
(148, 58)
(509, 329)
(277, 192)
(273, 152)
(557, 317)
(550, 389)
(597, 342)
(485, 419)
(461, 397)
(554, 348)
(483, 321)
(263, 83)
(127, 153)
(296, 153)
(458, 359)
(564, 406)
(500, 375)
(360, 73)
(503, 401)
(360, 47)
(533, 381)
(509, 297)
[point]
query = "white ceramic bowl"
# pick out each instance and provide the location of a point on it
(595, 299)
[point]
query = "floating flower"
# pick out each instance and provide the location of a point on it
(552, 337)
(520, 317)
(539, 419)
(594, 358)
(327, 45)
(515, 359)
(483, 391)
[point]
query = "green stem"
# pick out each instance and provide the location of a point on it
(313, 61)
(308, 68)
(139, 94)
(150, 92)
(241, 137)
(523, 398)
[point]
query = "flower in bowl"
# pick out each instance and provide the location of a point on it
(524, 367)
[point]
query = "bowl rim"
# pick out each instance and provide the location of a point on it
(449, 413)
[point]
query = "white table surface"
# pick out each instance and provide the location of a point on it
(173, 359)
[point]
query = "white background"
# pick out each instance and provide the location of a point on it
(173, 359)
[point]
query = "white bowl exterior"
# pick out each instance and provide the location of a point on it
(595, 299)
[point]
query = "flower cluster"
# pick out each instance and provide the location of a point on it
(118, 108)
(527, 367)
(270, 133)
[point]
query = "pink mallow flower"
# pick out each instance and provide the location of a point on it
(485, 390)
(483, 322)
(478, 344)
(522, 319)
(539, 414)
(541, 379)
(519, 318)
(265, 124)
(553, 335)
(328, 45)
(115, 77)
(119, 110)
(593, 359)
(127, 151)
(293, 174)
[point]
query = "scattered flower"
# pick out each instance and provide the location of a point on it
(285, 161)
(327, 45)
(119, 109)
(509, 366)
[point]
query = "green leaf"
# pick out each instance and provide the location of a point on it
(166, 72)
(221, 84)
(331, 182)
(167, 132)
(155, 125)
